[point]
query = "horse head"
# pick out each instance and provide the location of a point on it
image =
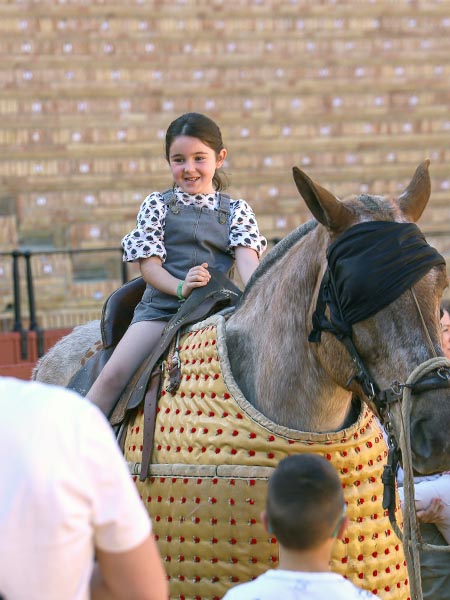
(381, 302)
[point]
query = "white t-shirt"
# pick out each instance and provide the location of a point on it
(65, 489)
(296, 585)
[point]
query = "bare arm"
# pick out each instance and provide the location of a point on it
(137, 574)
(155, 274)
(246, 262)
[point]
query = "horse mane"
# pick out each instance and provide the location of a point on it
(278, 251)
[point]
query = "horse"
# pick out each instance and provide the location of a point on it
(294, 370)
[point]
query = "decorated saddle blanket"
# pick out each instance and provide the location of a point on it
(206, 485)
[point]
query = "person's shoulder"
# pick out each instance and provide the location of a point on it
(36, 389)
(243, 591)
(260, 588)
(342, 587)
(11, 384)
(239, 205)
(43, 398)
(154, 204)
(356, 593)
(236, 201)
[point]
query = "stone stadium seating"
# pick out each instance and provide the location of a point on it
(357, 94)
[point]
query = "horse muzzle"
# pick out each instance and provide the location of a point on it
(404, 409)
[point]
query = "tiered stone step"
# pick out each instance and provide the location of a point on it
(356, 94)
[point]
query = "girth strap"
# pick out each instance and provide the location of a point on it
(150, 404)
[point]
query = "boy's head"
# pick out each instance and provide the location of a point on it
(305, 504)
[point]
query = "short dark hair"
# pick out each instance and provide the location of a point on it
(304, 501)
(203, 128)
(445, 306)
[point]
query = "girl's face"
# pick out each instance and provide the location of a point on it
(445, 328)
(193, 164)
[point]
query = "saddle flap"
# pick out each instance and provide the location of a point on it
(83, 379)
(118, 311)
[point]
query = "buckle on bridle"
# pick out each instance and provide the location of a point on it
(397, 388)
(371, 389)
(443, 373)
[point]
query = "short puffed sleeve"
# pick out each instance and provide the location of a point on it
(244, 229)
(147, 238)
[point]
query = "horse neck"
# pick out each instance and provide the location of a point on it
(273, 363)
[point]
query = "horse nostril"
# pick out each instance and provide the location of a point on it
(420, 441)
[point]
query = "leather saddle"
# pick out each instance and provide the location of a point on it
(219, 294)
(116, 316)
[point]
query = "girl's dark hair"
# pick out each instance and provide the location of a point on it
(203, 128)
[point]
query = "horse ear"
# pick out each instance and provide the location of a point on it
(414, 199)
(324, 205)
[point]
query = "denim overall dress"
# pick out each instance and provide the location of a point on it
(193, 235)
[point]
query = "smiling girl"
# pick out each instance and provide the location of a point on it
(179, 234)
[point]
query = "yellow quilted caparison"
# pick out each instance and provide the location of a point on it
(207, 483)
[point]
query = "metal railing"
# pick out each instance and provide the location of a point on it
(26, 255)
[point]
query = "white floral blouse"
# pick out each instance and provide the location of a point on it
(147, 239)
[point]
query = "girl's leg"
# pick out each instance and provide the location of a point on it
(137, 343)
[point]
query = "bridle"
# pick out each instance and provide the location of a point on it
(382, 400)
(431, 375)
(396, 256)
(370, 265)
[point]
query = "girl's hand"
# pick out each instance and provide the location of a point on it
(196, 277)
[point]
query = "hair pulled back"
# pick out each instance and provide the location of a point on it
(203, 128)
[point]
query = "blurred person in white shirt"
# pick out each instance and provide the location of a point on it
(72, 524)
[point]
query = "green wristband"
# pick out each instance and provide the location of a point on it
(180, 292)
